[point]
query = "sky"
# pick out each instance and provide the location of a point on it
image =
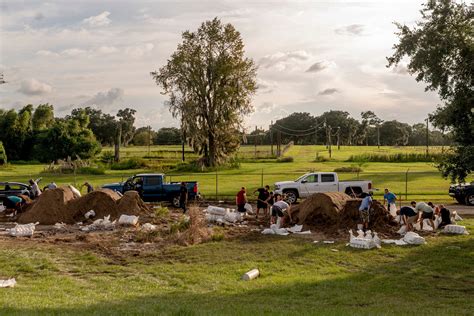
(312, 56)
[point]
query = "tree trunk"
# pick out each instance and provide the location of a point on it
(211, 159)
(117, 143)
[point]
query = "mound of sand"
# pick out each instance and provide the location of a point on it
(49, 208)
(333, 211)
(59, 205)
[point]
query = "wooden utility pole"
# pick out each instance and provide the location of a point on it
(338, 137)
(271, 137)
(378, 136)
(328, 135)
(427, 136)
(255, 140)
(182, 147)
(149, 139)
(117, 142)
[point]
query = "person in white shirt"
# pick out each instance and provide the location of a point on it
(35, 188)
(279, 208)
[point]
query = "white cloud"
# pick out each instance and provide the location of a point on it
(320, 66)
(98, 20)
(140, 50)
(266, 107)
(34, 87)
(283, 61)
(106, 98)
(73, 52)
(106, 50)
(47, 53)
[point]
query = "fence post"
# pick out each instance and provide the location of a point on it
(406, 185)
(217, 185)
(261, 180)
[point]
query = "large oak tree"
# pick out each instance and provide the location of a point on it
(210, 83)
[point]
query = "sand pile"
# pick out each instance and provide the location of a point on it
(333, 211)
(59, 205)
(49, 208)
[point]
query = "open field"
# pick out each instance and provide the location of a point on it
(57, 276)
(423, 179)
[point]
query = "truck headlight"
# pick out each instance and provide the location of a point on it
(277, 187)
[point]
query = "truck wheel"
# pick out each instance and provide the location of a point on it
(175, 201)
(470, 199)
(460, 201)
(291, 196)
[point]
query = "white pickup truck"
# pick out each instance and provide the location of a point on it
(311, 183)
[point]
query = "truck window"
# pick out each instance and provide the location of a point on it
(312, 178)
(328, 177)
(153, 180)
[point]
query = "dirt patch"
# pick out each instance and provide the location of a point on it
(197, 232)
(59, 205)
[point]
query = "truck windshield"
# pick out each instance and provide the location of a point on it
(301, 178)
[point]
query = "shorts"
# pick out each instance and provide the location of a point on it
(364, 215)
(261, 204)
(277, 211)
(241, 208)
(426, 215)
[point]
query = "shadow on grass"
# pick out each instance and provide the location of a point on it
(427, 280)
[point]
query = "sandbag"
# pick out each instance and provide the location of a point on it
(216, 210)
(131, 220)
(455, 229)
(233, 217)
(26, 230)
(413, 239)
(393, 210)
(75, 192)
(248, 208)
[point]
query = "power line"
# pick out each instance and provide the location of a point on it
(295, 130)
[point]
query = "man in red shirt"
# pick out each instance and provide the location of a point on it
(241, 199)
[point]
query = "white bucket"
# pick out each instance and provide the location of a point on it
(252, 274)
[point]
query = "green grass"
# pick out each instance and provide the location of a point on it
(424, 180)
(297, 277)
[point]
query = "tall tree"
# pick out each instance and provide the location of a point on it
(440, 49)
(43, 117)
(210, 84)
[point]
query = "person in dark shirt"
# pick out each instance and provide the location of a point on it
(89, 187)
(183, 196)
(409, 216)
(445, 216)
(262, 204)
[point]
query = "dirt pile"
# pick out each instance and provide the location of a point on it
(59, 205)
(49, 208)
(331, 212)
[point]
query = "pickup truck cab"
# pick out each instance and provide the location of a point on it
(152, 187)
(318, 182)
(463, 193)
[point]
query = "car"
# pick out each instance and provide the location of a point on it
(316, 182)
(153, 188)
(14, 188)
(463, 193)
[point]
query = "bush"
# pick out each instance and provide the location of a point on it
(321, 159)
(3, 155)
(412, 157)
(107, 157)
(91, 170)
(25, 162)
(348, 169)
(161, 211)
(285, 159)
(132, 163)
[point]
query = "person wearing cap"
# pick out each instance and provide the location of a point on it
(425, 212)
(279, 209)
(89, 187)
(183, 196)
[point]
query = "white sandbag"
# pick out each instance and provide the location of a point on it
(306, 232)
(455, 229)
(75, 192)
(402, 230)
(216, 210)
(233, 217)
(100, 224)
(149, 227)
(361, 243)
(377, 240)
(248, 208)
(211, 218)
(393, 210)
(268, 231)
(437, 221)
(89, 214)
(2, 208)
(252, 274)
(295, 229)
(26, 230)
(7, 283)
(60, 226)
(413, 238)
(128, 220)
(455, 217)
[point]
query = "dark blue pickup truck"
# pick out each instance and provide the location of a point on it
(153, 188)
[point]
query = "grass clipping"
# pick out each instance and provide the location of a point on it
(193, 230)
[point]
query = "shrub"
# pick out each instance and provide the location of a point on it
(132, 163)
(321, 159)
(411, 157)
(161, 211)
(26, 162)
(3, 155)
(181, 225)
(348, 169)
(107, 157)
(91, 170)
(217, 233)
(285, 159)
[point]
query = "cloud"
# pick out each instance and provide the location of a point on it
(105, 98)
(39, 16)
(267, 107)
(98, 20)
(73, 52)
(353, 29)
(34, 87)
(140, 50)
(401, 69)
(47, 53)
(266, 86)
(320, 66)
(328, 91)
(282, 61)
(106, 50)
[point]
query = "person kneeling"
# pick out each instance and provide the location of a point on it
(279, 209)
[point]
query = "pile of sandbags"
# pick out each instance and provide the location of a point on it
(455, 229)
(364, 241)
(222, 216)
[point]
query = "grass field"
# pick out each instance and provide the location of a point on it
(297, 277)
(424, 180)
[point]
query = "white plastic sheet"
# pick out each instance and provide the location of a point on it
(149, 227)
(130, 220)
(90, 214)
(26, 230)
(100, 224)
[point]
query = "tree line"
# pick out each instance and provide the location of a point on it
(304, 129)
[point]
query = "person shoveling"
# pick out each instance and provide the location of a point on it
(279, 209)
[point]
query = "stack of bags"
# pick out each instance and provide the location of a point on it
(220, 215)
(364, 241)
